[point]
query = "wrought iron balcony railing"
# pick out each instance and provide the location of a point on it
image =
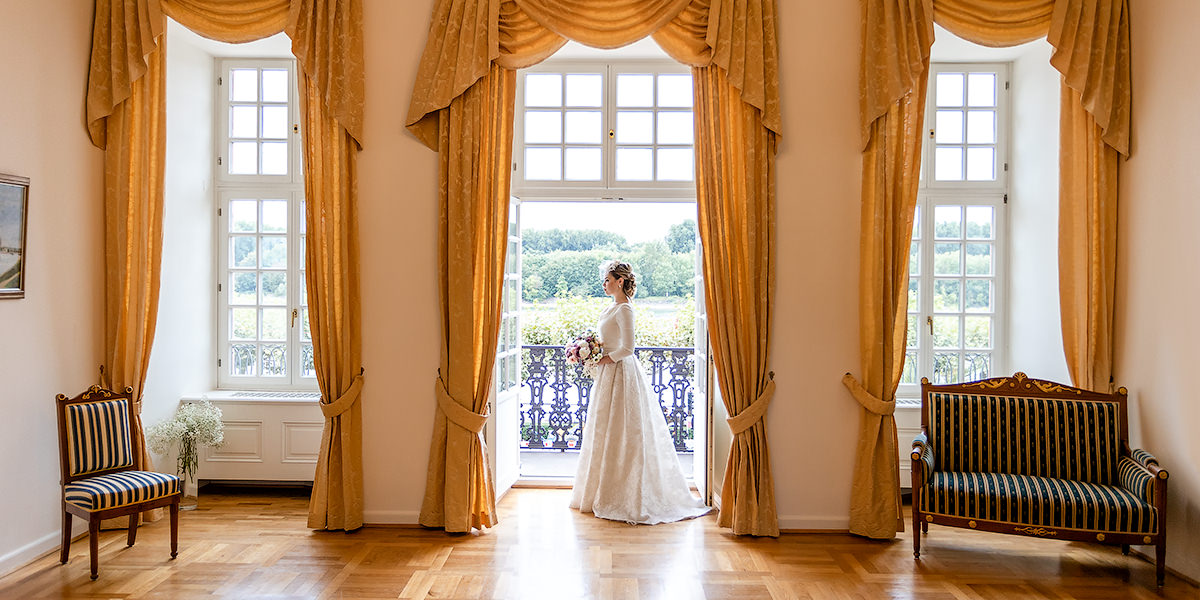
(555, 395)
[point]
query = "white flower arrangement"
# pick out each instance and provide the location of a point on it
(194, 424)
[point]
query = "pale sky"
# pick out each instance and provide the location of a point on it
(637, 221)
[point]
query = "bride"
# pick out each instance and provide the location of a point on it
(628, 470)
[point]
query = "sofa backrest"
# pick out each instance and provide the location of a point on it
(1047, 437)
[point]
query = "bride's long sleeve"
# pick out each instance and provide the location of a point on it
(624, 344)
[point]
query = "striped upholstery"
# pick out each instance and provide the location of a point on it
(1136, 479)
(98, 436)
(120, 489)
(1041, 437)
(1029, 500)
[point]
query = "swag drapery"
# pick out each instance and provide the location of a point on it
(1091, 50)
(462, 106)
(126, 117)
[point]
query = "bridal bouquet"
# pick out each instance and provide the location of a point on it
(586, 349)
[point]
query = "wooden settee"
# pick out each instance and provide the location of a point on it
(1036, 458)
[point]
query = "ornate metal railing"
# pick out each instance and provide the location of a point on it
(555, 395)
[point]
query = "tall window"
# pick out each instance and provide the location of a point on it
(594, 129)
(263, 335)
(956, 267)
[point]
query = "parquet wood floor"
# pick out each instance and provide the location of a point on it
(254, 544)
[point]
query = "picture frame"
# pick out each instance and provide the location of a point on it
(14, 215)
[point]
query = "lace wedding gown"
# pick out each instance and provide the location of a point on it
(628, 470)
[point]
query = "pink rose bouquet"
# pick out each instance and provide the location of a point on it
(586, 349)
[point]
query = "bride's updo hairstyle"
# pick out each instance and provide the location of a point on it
(620, 270)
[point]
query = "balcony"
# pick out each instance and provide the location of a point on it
(555, 396)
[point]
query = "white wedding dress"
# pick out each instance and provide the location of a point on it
(628, 470)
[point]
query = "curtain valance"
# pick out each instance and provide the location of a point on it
(1090, 39)
(326, 40)
(466, 36)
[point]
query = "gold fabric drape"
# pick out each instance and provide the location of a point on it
(1091, 42)
(735, 168)
(327, 42)
(475, 151)
(467, 39)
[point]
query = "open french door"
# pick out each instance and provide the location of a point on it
(503, 429)
(702, 408)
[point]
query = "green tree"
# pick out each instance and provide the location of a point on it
(681, 237)
(578, 240)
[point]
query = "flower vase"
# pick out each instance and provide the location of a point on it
(191, 490)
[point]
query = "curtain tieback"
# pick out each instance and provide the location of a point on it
(755, 412)
(345, 401)
(456, 412)
(866, 399)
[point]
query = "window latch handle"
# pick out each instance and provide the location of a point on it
(929, 320)
(296, 313)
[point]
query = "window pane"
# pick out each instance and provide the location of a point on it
(306, 334)
(635, 164)
(947, 259)
(945, 331)
(909, 375)
(947, 164)
(675, 90)
(916, 223)
(242, 359)
(274, 360)
(947, 222)
(543, 127)
(914, 295)
(275, 85)
(979, 222)
(914, 331)
(243, 288)
(243, 121)
(635, 90)
(275, 215)
(635, 127)
(675, 164)
(244, 324)
(914, 259)
(584, 127)
(307, 369)
(675, 128)
(981, 164)
(950, 89)
(976, 366)
(583, 164)
(274, 252)
(981, 89)
(981, 127)
(979, 332)
(543, 89)
(543, 164)
(947, 295)
(243, 248)
(949, 128)
(243, 215)
(585, 89)
(243, 85)
(275, 122)
(243, 158)
(274, 158)
(979, 295)
(979, 259)
(945, 367)
(274, 323)
(274, 287)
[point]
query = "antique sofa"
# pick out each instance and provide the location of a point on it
(1031, 457)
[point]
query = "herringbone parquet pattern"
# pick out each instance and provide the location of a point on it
(254, 544)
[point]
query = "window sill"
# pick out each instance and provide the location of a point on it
(255, 397)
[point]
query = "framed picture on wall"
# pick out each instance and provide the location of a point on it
(14, 204)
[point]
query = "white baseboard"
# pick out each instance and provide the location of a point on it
(29, 552)
(391, 517)
(804, 523)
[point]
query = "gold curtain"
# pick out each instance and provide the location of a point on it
(1091, 41)
(327, 42)
(474, 151)
(468, 39)
(735, 167)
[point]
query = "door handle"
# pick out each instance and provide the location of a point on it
(929, 320)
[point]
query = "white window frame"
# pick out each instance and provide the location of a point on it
(288, 187)
(965, 193)
(607, 187)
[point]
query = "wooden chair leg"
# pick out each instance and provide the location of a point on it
(133, 523)
(1160, 562)
(66, 540)
(94, 545)
(924, 527)
(175, 528)
(1125, 549)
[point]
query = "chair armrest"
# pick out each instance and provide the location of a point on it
(1136, 478)
(1148, 461)
(922, 450)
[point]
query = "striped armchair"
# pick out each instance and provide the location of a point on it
(98, 477)
(1031, 457)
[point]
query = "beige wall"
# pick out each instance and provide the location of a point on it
(1158, 278)
(51, 339)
